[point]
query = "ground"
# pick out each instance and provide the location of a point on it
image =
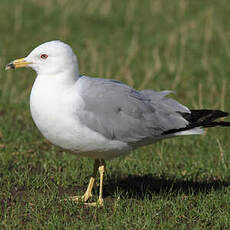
(180, 183)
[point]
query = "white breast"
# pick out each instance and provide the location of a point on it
(54, 106)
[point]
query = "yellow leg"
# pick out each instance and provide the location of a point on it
(101, 170)
(88, 192)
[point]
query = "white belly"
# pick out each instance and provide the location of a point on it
(54, 111)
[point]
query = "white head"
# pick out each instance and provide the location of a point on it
(50, 58)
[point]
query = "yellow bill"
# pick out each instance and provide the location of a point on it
(18, 63)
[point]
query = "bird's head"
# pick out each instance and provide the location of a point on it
(49, 58)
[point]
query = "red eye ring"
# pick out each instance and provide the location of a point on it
(44, 56)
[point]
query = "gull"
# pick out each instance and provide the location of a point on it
(101, 118)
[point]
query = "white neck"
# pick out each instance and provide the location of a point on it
(48, 98)
(64, 79)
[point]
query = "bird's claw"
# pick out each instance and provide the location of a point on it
(82, 199)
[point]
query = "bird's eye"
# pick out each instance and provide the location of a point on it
(44, 56)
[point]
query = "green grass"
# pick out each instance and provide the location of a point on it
(180, 183)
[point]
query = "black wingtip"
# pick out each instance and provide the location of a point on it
(201, 118)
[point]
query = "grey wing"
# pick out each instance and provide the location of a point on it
(119, 112)
(169, 104)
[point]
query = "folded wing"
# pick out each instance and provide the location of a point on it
(119, 112)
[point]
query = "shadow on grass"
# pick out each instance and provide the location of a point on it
(141, 186)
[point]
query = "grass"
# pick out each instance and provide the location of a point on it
(181, 183)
